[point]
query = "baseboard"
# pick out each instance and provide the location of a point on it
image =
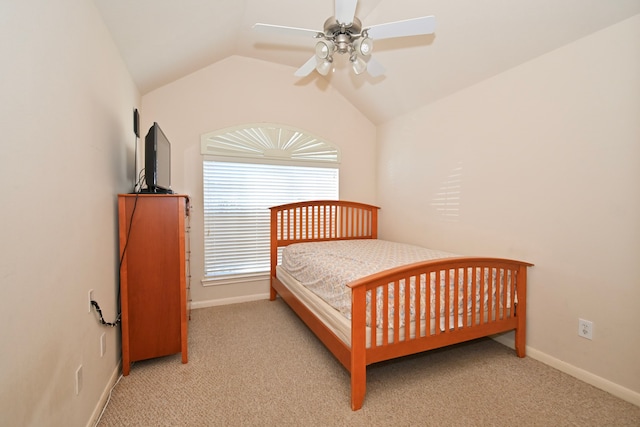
(589, 378)
(104, 398)
(228, 301)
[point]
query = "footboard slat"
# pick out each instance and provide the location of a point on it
(396, 311)
(465, 297)
(418, 303)
(427, 299)
(505, 284)
(481, 290)
(456, 294)
(374, 316)
(385, 314)
(513, 299)
(499, 291)
(406, 288)
(490, 278)
(474, 300)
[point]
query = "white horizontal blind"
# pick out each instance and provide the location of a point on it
(237, 197)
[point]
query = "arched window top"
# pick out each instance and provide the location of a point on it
(269, 141)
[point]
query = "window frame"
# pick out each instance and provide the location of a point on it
(263, 144)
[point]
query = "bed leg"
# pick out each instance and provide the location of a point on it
(358, 363)
(358, 387)
(521, 313)
(272, 293)
(520, 338)
(520, 343)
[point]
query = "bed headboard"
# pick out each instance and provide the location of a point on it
(321, 220)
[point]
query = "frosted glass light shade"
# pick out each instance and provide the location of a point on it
(324, 66)
(358, 64)
(363, 46)
(324, 49)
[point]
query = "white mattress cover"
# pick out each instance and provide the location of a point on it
(337, 323)
(327, 267)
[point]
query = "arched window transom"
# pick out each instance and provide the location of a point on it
(269, 141)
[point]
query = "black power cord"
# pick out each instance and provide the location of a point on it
(95, 305)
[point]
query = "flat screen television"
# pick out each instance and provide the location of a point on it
(157, 161)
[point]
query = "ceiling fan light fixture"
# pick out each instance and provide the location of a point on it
(324, 49)
(358, 64)
(363, 46)
(324, 66)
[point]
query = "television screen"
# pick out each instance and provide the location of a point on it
(157, 164)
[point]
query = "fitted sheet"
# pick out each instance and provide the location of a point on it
(325, 268)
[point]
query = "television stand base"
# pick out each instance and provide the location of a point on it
(154, 191)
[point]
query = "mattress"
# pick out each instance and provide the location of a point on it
(318, 273)
(336, 322)
(325, 268)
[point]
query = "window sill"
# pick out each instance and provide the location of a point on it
(232, 280)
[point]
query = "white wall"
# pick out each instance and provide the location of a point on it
(66, 151)
(549, 156)
(240, 90)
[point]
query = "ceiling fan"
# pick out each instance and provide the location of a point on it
(344, 34)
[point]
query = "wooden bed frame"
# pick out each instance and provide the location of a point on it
(339, 220)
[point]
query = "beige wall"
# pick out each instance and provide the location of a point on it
(66, 151)
(240, 90)
(549, 157)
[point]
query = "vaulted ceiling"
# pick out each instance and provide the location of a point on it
(163, 40)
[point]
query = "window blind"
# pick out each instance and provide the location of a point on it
(237, 197)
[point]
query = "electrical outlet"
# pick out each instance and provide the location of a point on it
(78, 380)
(103, 344)
(90, 299)
(585, 329)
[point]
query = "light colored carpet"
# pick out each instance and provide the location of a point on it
(257, 364)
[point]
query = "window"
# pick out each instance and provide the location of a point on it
(270, 165)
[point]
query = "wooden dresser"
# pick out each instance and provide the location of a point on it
(153, 276)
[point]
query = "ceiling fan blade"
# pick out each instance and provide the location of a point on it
(409, 27)
(285, 31)
(374, 68)
(307, 68)
(345, 11)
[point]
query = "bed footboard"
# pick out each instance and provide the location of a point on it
(433, 304)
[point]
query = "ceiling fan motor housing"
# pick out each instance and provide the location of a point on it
(343, 35)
